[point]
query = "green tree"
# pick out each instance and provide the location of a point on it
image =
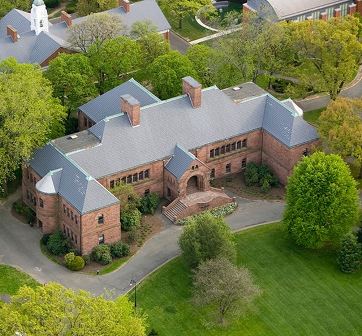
(329, 51)
(29, 115)
(206, 237)
(340, 127)
(166, 73)
(86, 7)
(350, 255)
(203, 59)
(113, 60)
(181, 8)
(151, 42)
(54, 310)
(322, 201)
(223, 286)
(7, 5)
(127, 196)
(72, 77)
(94, 31)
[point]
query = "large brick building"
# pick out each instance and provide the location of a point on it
(32, 38)
(298, 10)
(173, 147)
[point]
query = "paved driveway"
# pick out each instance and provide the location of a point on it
(19, 246)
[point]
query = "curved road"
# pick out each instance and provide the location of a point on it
(19, 247)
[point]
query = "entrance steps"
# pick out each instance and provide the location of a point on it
(174, 210)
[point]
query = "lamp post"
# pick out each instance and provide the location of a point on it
(134, 282)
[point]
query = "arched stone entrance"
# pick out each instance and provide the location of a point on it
(194, 184)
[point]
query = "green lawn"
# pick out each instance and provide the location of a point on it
(313, 116)
(11, 280)
(303, 293)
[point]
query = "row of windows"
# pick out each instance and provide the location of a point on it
(32, 178)
(70, 214)
(140, 176)
(31, 197)
(69, 233)
(228, 168)
(228, 148)
(87, 123)
(329, 11)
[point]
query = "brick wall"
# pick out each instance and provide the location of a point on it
(84, 122)
(91, 230)
(47, 212)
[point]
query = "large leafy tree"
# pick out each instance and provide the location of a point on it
(181, 8)
(8, 5)
(94, 31)
(29, 115)
(113, 60)
(206, 237)
(86, 7)
(54, 310)
(329, 51)
(72, 77)
(223, 286)
(166, 73)
(322, 201)
(340, 126)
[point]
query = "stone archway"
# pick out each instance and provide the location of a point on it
(194, 184)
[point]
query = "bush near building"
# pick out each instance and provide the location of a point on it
(130, 219)
(57, 243)
(119, 250)
(260, 175)
(149, 203)
(350, 255)
(102, 254)
(74, 262)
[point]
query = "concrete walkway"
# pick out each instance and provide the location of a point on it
(19, 247)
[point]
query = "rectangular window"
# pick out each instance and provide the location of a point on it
(135, 177)
(222, 150)
(147, 191)
(40, 223)
(118, 181)
(129, 179)
(101, 239)
(212, 173)
(243, 164)
(124, 180)
(27, 194)
(227, 148)
(101, 219)
(111, 184)
(41, 203)
(64, 209)
(76, 219)
(233, 146)
(147, 173)
(76, 239)
(28, 174)
(315, 15)
(71, 215)
(85, 122)
(238, 145)
(68, 213)
(212, 153)
(228, 168)
(140, 176)
(344, 9)
(217, 151)
(244, 144)
(329, 12)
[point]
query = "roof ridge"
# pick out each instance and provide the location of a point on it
(144, 89)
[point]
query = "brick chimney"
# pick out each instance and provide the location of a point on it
(132, 107)
(358, 6)
(352, 9)
(64, 16)
(192, 88)
(125, 4)
(12, 32)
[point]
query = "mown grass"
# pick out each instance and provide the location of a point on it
(304, 293)
(11, 280)
(313, 116)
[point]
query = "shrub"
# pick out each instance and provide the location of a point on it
(102, 254)
(52, 3)
(87, 259)
(260, 175)
(206, 237)
(73, 262)
(350, 255)
(356, 168)
(119, 250)
(130, 218)
(149, 203)
(58, 244)
(359, 235)
(133, 235)
(44, 240)
(251, 174)
(265, 186)
(22, 209)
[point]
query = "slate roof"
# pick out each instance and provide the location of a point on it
(289, 8)
(109, 103)
(76, 186)
(244, 91)
(169, 130)
(36, 49)
(180, 162)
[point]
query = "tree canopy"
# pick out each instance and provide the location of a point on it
(206, 237)
(166, 73)
(29, 114)
(7, 5)
(340, 126)
(72, 78)
(322, 201)
(86, 7)
(54, 310)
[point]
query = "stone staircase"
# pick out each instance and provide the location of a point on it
(174, 209)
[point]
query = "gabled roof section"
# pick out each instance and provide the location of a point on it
(18, 19)
(109, 103)
(75, 185)
(180, 162)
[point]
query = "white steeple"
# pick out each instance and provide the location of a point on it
(39, 17)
